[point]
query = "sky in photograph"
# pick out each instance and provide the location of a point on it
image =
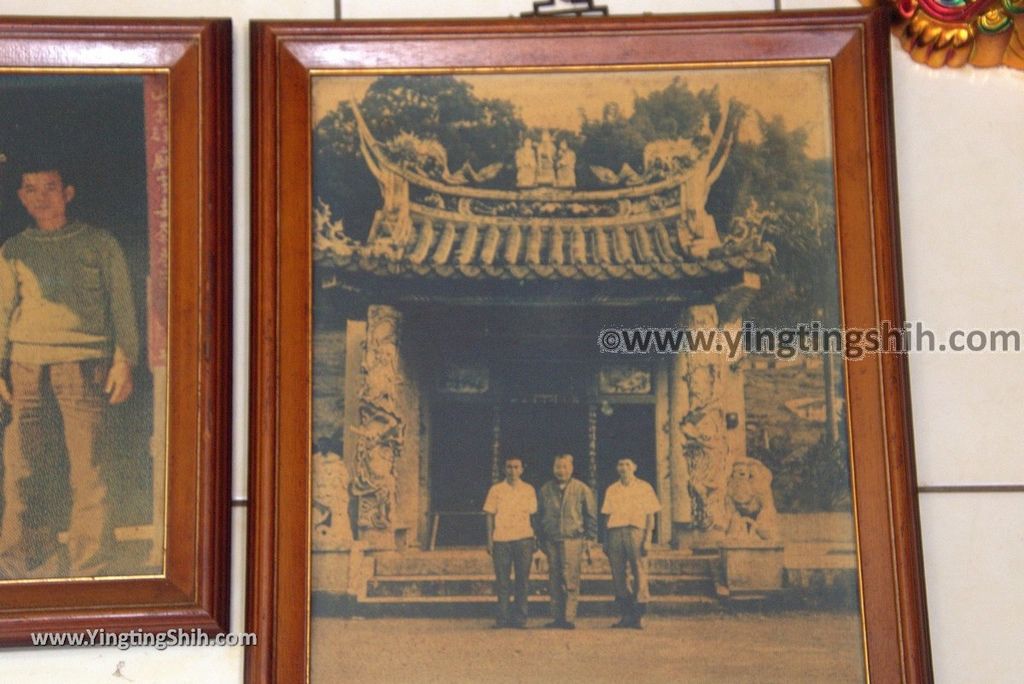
(799, 94)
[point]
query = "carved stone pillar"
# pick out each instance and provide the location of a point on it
(663, 449)
(355, 347)
(733, 402)
(700, 436)
(380, 429)
(679, 470)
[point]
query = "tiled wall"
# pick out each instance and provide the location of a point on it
(960, 152)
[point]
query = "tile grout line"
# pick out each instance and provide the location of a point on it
(971, 489)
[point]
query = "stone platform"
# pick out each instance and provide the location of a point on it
(461, 581)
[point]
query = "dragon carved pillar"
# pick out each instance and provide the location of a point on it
(380, 429)
(701, 451)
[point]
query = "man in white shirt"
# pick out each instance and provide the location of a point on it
(510, 541)
(630, 505)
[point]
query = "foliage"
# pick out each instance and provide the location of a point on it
(676, 112)
(441, 108)
(610, 142)
(340, 175)
(815, 478)
(777, 173)
(473, 130)
(667, 114)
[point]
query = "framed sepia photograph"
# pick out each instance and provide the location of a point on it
(115, 325)
(542, 382)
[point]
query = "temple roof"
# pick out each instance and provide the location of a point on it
(525, 251)
(429, 228)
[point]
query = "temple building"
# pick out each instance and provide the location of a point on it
(476, 337)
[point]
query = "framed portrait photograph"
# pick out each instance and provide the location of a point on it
(115, 328)
(561, 356)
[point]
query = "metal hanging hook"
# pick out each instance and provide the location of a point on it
(577, 8)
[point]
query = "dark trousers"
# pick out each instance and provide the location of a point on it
(565, 558)
(506, 556)
(624, 556)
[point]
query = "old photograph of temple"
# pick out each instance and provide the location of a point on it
(496, 497)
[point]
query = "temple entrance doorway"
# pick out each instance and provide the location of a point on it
(625, 431)
(543, 392)
(471, 441)
(539, 432)
(461, 457)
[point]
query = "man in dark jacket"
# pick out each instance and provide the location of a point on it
(567, 513)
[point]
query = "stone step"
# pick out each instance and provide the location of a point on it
(591, 599)
(479, 585)
(477, 562)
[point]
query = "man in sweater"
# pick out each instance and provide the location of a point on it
(568, 527)
(68, 339)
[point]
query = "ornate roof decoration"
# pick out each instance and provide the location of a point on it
(982, 33)
(434, 224)
(526, 250)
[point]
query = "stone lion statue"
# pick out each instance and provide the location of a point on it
(332, 529)
(750, 507)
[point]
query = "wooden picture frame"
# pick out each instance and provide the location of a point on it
(131, 121)
(395, 258)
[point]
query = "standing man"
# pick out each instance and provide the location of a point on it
(510, 542)
(568, 527)
(68, 339)
(630, 505)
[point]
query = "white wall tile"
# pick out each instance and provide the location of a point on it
(960, 155)
(965, 410)
(819, 4)
(207, 665)
(367, 9)
(974, 551)
(688, 6)
(240, 10)
(371, 9)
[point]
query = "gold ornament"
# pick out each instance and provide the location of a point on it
(982, 33)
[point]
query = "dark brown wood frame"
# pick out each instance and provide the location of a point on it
(855, 44)
(193, 593)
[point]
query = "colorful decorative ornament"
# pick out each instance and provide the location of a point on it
(982, 33)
